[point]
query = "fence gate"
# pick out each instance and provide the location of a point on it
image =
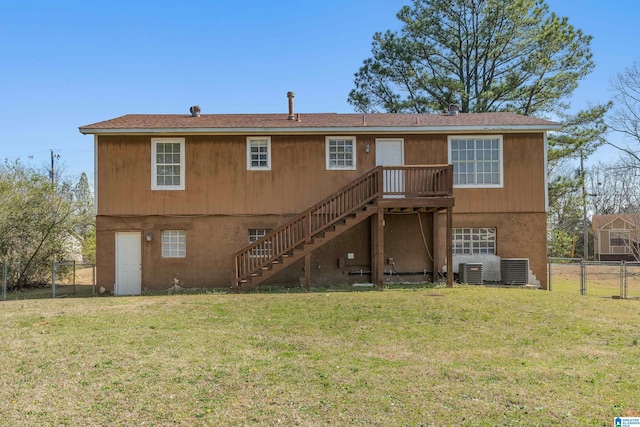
(71, 279)
(617, 279)
(565, 275)
(604, 279)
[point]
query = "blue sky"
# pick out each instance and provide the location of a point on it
(70, 63)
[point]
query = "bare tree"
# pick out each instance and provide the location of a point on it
(615, 186)
(615, 189)
(626, 114)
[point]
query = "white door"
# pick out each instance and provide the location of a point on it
(390, 152)
(128, 263)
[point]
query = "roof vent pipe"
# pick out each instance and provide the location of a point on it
(195, 111)
(454, 109)
(290, 95)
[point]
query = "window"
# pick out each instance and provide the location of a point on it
(256, 234)
(167, 163)
(341, 152)
(174, 243)
(473, 241)
(476, 160)
(259, 153)
(619, 238)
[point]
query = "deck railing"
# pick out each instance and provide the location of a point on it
(417, 181)
(392, 181)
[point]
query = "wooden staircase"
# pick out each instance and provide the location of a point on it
(333, 216)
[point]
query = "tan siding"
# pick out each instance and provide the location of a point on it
(523, 190)
(122, 175)
(217, 180)
(425, 149)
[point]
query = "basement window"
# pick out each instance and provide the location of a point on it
(474, 241)
(174, 243)
(341, 152)
(263, 250)
(259, 153)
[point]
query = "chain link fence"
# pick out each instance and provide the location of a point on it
(68, 279)
(612, 279)
(632, 280)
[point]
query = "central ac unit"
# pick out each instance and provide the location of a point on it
(470, 272)
(514, 271)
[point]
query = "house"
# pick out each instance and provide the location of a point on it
(240, 200)
(616, 237)
(72, 248)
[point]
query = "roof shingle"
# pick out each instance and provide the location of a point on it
(307, 122)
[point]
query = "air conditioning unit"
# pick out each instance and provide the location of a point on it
(470, 272)
(514, 271)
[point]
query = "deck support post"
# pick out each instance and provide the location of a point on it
(307, 272)
(435, 252)
(377, 249)
(234, 273)
(450, 247)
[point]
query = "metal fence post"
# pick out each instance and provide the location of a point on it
(53, 278)
(5, 272)
(550, 276)
(583, 278)
(623, 280)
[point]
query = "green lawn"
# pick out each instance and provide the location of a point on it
(471, 356)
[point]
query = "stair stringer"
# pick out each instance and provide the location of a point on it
(306, 248)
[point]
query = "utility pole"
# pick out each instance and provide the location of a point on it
(585, 245)
(52, 171)
(585, 225)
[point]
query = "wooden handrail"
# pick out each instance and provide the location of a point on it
(416, 181)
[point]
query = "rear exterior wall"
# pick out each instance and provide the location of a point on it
(211, 240)
(222, 200)
(218, 182)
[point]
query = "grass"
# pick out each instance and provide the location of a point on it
(471, 356)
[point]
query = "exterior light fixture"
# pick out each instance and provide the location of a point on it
(149, 236)
(367, 149)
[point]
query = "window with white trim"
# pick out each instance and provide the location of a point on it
(259, 153)
(341, 152)
(256, 234)
(174, 243)
(619, 238)
(476, 160)
(474, 241)
(167, 163)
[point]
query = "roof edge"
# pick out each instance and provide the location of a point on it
(87, 130)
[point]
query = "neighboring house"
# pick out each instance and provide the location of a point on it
(238, 200)
(72, 246)
(616, 237)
